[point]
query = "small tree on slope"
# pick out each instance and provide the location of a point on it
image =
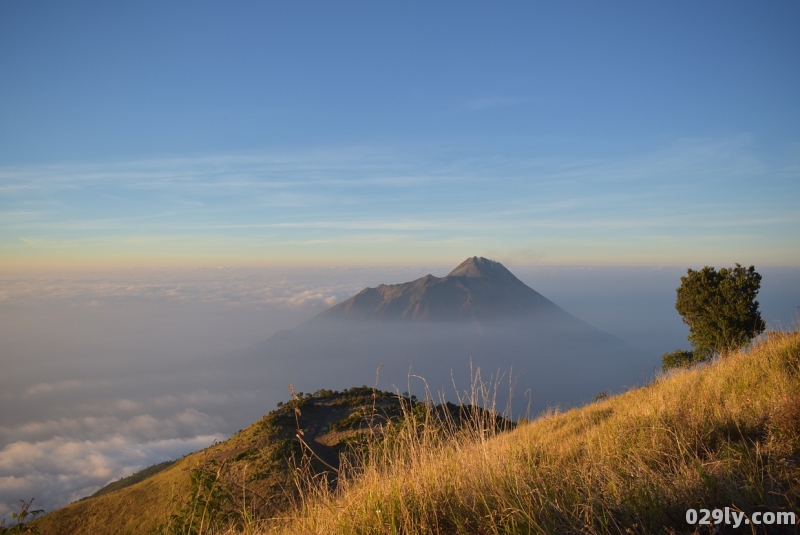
(720, 309)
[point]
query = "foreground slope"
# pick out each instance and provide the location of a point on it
(726, 434)
(722, 435)
(254, 467)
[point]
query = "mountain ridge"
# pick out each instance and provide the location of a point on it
(478, 289)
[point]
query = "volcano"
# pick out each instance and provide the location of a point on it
(477, 290)
(434, 333)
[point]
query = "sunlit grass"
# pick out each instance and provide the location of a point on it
(724, 434)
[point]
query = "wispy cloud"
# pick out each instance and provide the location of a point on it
(496, 101)
(59, 386)
(235, 288)
(245, 202)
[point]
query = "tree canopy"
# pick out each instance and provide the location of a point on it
(720, 308)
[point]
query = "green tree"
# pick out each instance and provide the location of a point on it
(720, 309)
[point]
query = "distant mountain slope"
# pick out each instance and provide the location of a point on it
(478, 316)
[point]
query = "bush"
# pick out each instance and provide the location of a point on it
(678, 359)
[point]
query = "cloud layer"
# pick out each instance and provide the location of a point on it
(60, 470)
(108, 373)
(105, 374)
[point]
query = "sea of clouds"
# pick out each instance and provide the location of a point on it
(108, 373)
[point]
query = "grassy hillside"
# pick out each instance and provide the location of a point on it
(252, 474)
(726, 434)
(723, 435)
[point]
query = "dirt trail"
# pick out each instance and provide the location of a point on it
(318, 430)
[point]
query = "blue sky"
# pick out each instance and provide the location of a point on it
(368, 133)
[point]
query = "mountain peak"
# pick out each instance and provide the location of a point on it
(478, 266)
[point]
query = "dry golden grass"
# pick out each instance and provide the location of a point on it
(132, 510)
(724, 434)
